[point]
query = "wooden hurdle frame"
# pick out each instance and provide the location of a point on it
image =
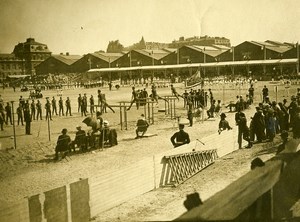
(123, 105)
(170, 106)
(181, 167)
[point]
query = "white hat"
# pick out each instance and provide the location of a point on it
(106, 122)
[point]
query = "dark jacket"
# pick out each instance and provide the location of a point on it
(181, 138)
(63, 142)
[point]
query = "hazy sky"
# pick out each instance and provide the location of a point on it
(58, 23)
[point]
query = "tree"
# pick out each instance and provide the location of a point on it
(114, 46)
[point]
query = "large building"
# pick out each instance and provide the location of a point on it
(10, 65)
(23, 60)
(32, 53)
(202, 40)
(57, 64)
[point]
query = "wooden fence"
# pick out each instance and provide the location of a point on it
(87, 198)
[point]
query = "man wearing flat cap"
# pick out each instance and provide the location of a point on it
(181, 137)
(80, 139)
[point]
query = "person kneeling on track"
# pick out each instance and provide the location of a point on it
(141, 126)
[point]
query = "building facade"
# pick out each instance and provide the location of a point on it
(31, 53)
(57, 64)
(10, 65)
(202, 40)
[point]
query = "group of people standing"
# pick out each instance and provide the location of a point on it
(270, 118)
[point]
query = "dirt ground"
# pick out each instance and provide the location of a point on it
(29, 169)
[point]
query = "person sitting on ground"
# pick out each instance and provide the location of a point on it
(63, 143)
(141, 126)
(80, 139)
(108, 136)
(181, 137)
(198, 111)
(223, 124)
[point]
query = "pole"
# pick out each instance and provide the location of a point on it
(149, 116)
(265, 57)
(170, 106)
(13, 119)
(121, 116)
(177, 70)
(223, 92)
(166, 108)
(152, 115)
(174, 109)
(297, 45)
(125, 116)
(49, 128)
(145, 109)
(233, 60)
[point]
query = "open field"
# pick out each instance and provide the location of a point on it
(29, 169)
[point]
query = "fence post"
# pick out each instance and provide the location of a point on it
(14, 128)
(121, 121)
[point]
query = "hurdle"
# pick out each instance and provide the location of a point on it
(123, 111)
(123, 105)
(149, 110)
(183, 166)
(170, 106)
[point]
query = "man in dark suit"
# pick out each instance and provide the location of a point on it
(63, 143)
(181, 137)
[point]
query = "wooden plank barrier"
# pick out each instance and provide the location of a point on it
(181, 167)
(229, 203)
(89, 197)
(16, 212)
(113, 188)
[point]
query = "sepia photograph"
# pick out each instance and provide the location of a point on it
(149, 110)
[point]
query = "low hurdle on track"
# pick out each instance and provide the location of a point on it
(123, 105)
(170, 106)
